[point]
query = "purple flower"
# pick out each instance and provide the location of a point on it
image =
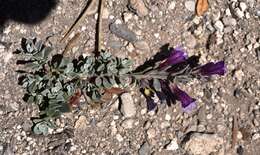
(177, 55)
(187, 102)
(213, 68)
(148, 94)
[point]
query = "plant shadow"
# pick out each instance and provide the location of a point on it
(25, 11)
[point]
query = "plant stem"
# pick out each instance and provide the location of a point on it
(99, 31)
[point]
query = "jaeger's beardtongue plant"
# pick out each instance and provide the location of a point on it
(55, 83)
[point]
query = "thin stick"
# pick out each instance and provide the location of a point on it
(234, 132)
(71, 43)
(99, 31)
(86, 11)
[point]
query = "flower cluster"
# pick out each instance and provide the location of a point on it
(177, 65)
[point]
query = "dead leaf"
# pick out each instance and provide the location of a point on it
(201, 7)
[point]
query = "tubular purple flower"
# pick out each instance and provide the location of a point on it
(213, 68)
(187, 102)
(177, 55)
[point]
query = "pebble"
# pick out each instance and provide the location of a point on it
(167, 117)
(190, 5)
(228, 12)
(196, 144)
(229, 21)
(139, 6)
(171, 5)
(130, 47)
(151, 133)
(173, 145)
(258, 13)
(122, 31)
(165, 124)
(81, 123)
(127, 16)
(239, 74)
(190, 41)
(219, 26)
(239, 135)
(119, 137)
(128, 123)
(243, 6)
(142, 46)
(239, 13)
(128, 108)
(144, 149)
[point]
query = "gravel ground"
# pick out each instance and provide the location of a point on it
(229, 31)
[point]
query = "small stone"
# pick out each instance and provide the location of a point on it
(239, 13)
(128, 124)
(173, 145)
(228, 12)
(219, 26)
(151, 133)
(209, 116)
(144, 149)
(123, 32)
(165, 124)
(139, 6)
(196, 144)
(239, 74)
(130, 47)
(201, 128)
(239, 135)
(119, 137)
(171, 5)
(190, 41)
(157, 35)
(128, 108)
(258, 13)
(229, 21)
(167, 117)
(243, 6)
(127, 16)
(81, 123)
(142, 46)
(190, 5)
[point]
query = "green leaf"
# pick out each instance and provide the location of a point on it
(106, 83)
(157, 85)
(101, 67)
(98, 82)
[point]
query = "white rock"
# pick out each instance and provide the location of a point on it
(119, 137)
(228, 12)
(173, 145)
(81, 123)
(171, 5)
(167, 117)
(243, 6)
(128, 108)
(229, 21)
(197, 142)
(239, 13)
(151, 133)
(128, 124)
(190, 5)
(165, 124)
(219, 26)
(127, 16)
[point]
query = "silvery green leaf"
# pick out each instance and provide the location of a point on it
(45, 92)
(106, 83)
(98, 81)
(157, 85)
(70, 68)
(101, 67)
(112, 80)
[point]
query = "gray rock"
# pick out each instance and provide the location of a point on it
(190, 5)
(122, 31)
(173, 145)
(128, 108)
(144, 149)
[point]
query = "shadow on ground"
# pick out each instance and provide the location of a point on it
(25, 11)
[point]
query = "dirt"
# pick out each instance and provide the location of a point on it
(222, 33)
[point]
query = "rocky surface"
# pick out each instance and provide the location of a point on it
(228, 31)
